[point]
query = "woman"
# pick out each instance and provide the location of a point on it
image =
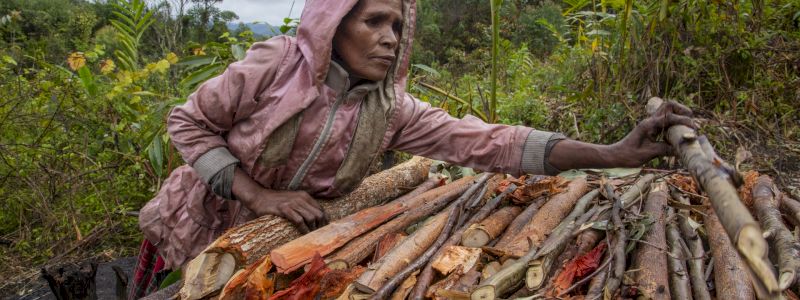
(301, 119)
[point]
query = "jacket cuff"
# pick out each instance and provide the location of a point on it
(212, 162)
(536, 150)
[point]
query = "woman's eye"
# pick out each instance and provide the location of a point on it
(373, 21)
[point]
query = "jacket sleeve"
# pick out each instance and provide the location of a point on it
(198, 127)
(432, 132)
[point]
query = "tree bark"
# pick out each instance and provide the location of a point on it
(730, 272)
(387, 243)
(679, 285)
(243, 245)
(361, 247)
(480, 234)
(520, 221)
(784, 245)
(696, 251)
(548, 217)
(650, 258)
(298, 252)
(791, 208)
(411, 248)
(716, 180)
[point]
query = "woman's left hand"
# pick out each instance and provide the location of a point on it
(642, 144)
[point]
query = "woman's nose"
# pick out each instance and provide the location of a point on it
(389, 37)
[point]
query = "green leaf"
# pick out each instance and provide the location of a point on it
(198, 60)
(202, 75)
(238, 51)
(87, 80)
(572, 174)
(171, 278)
(156, 154)
(427, 69)
(9, 60)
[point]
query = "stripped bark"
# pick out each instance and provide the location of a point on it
(716, 180)
(456, 256)
(387, 243)
(480, 234)
(250, 283)
(650, 258)
(784, 245)
(730, 272)
(696, 251)
(550, 215)
(557, 240)
(361, 247)
(679, 285)
(521, 221)
(426, 275)
(412, 247)
(298, 252)
(241, 246)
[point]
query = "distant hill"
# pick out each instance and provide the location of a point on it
(262, 29)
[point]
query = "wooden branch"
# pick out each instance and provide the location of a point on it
(241, 246)
(791, 208)
(480, 234)
(679, 285)
(716, 182)
(598, 283)
(650, 259)
(556, 241)
(520, 221)
(731, 280)
(411, 248)
(422, 260)
(784, 244)
(297, 253)
(696, 252)
(361, 247)
(548, 217)
(426, 275)
(614, 275)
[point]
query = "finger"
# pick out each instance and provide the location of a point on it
(297, 220)
(661, 149)
(316, 209)
(678, 108)
(311, 201)
(308, 217)
(673, 119)
(312, 212)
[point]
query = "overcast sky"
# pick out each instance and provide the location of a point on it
(270, 11)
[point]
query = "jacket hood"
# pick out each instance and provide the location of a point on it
(318, 24)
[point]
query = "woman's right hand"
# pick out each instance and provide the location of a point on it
(296, 206)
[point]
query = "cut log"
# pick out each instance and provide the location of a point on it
(548, 217)
(243, 245)
(784, 245)
(298, 252)
(696, 251)
(731, 280)
(455, 256)
(412, 247)
(521, 221)
(650, 259)
(679, 285)
(480, 234)
(361, 247)
(716, 180)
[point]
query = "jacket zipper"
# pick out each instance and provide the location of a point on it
(321, 141)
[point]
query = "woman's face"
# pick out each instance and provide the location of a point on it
(368, 36)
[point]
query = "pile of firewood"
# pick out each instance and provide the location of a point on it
(704, 232)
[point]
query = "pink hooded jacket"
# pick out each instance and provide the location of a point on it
(288, 115)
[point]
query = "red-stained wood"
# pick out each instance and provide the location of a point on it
(297, 253)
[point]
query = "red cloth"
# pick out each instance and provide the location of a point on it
(150, 263)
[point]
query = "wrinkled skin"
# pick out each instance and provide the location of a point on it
(367, 38)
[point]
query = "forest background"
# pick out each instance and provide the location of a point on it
(85, 87)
